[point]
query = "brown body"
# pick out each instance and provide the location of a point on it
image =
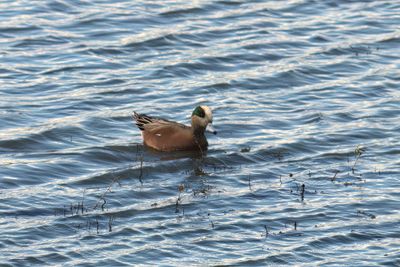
(167, 135)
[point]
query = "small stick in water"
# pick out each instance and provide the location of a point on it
(302, 191)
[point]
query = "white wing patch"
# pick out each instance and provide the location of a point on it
(158, 134)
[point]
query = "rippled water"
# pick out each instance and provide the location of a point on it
(305, 168)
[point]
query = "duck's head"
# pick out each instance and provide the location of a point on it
(202, 117)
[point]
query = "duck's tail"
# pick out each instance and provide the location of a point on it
(141, 120)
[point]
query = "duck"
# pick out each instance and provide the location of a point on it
(164, 135)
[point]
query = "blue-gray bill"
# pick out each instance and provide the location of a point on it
(211, 129)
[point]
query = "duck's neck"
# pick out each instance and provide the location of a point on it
(198, 127)
(200, 138)
(199, 132)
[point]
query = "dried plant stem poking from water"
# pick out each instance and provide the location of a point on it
(103, 205)
(302, 191)
(334, 176)
(181, 188)
(177, 205)
(75, 209)
(97, 225)
(141, 170)
(110, 221)
(83, 199)
(178, 201)
(266, 231)
(357, 153)
(370, 215)
(249, 182)
(102, 197)
(211, 222)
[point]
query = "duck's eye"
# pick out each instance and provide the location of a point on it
(198, 111)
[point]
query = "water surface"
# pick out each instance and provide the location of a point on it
(304, 169)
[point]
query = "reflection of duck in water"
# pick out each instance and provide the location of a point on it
(167, 135)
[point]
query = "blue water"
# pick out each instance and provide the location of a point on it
(305, 168)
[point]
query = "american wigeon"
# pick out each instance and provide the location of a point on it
(165, 135)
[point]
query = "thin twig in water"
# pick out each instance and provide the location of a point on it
(302, 191)
(104, 203)
(141, 170)
(83, 199)
(249, 183)
(177, 205)
(211, 222)
(266, 231)
(358, 152)
(115, 179)
(110, 221)
(334, 176)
